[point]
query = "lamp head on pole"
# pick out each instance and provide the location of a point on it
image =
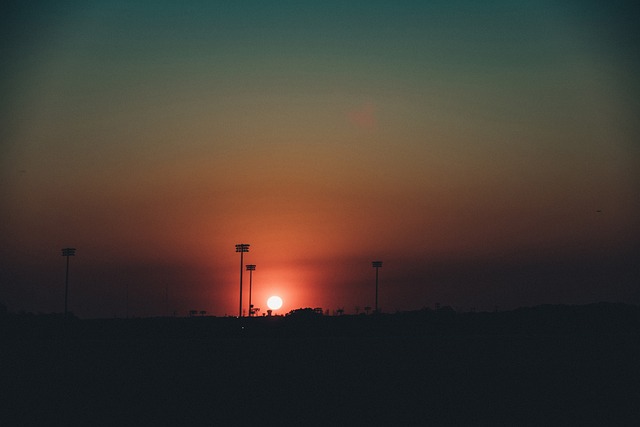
(251, 267)
(242, 247)
(68, 252)
(376, 264)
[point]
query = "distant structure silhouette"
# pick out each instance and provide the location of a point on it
(251, 268)
(67, 252)
(376, 265)
(242, 248)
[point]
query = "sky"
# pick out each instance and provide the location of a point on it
(487, 152)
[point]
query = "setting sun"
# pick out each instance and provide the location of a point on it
(274, 302)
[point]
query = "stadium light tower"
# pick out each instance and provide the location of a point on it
(67, 252)
(376, 265)
(242, 248)
(251, 268)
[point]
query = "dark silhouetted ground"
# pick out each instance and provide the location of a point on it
(548, 365)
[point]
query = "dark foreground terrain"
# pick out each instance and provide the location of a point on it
(548, 365)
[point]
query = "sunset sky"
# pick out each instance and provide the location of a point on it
(487, 152)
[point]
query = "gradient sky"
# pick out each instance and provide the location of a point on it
(487, 152)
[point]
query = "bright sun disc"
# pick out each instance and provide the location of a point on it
(274, 302)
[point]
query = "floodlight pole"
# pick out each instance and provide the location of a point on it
(376, 265)
(251, 268)
(242, 248)
(67, 252)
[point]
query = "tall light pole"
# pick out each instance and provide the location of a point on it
(242, 248)
(67, 252)
(251, 268)
(376, 265)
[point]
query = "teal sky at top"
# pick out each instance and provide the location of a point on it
(442, 76)
(372, 45)
(455, 56)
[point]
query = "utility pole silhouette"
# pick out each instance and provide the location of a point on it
(251, 268)
(242, 248)
(376, 265)
(67, 252)
(166, 300)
